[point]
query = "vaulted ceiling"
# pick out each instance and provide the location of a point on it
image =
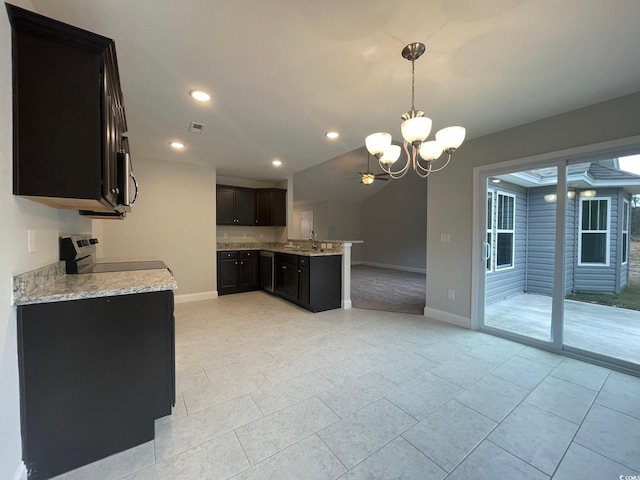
(284, 72)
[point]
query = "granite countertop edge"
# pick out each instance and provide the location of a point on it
(94, 285)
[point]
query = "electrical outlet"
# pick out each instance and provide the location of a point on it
(225, 235)
(445, 238)
(262, 235)
(452, 294)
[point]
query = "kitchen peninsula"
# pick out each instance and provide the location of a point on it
(292, 266)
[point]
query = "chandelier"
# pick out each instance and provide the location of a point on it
(415, 128)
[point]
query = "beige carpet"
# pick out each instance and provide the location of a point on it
(375, 288)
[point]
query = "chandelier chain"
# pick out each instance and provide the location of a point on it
(413, 84)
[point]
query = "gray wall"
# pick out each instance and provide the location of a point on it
(345, 223)
(450, 263)
(394, 223)
(174, 219)
(19, 216)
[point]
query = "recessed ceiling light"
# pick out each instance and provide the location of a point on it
(332, 135)
(177, 145)
(200, 95)
(276, 163)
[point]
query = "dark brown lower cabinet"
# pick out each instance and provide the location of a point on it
(238, 271)
(312, 282)
(94, 376)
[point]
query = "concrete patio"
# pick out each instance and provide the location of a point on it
(598, 328)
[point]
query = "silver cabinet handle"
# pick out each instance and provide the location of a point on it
(284, 267)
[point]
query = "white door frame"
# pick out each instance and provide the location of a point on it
(561, 158)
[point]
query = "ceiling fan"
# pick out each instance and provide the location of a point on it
(368, 177)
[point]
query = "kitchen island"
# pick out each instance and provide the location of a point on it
(96, 362)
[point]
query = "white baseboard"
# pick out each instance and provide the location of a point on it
(21, 472)
(195, 297)
(346, 304)
(395, 267)
(447, 317)
(356, 262)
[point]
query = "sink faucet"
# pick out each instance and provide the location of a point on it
(313, 238)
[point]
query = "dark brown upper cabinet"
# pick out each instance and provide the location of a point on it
(271, 207)
(68, 114)
(263, 207)
(235, 205)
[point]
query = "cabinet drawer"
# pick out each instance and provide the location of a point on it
(248, 254)
(228, 255)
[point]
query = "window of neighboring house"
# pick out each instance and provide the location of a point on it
(489, 245)
(505, 230)
(625, 232)
(593, 242)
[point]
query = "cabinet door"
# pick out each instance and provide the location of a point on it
(94, 374)
(279, 207)
(264, 210)
(304, 285)
(225, 206)
(286, 279)
(248, 272)
(245, 206)
(57, 119)
(227, 273)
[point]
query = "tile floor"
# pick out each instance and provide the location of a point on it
(269, 391)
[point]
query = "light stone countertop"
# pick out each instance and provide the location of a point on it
(293, 251)
(294, 247)
(93, 285)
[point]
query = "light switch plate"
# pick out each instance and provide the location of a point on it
(445, 238)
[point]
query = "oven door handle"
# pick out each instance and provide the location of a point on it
(135, 186)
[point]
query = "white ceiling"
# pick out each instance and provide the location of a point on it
(284, 72)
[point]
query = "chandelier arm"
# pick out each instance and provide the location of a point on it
(398, 173)
(428, 168)
(443, 166)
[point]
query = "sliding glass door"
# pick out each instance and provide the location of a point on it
(556, 262)
(520, 250)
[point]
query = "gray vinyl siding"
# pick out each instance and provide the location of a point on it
(508, 282)
(599, 278)
(541, 242)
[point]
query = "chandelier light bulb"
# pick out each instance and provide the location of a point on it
(416, 129)
(451, 137)
(377, 143)
(390, 155)
(430, 150)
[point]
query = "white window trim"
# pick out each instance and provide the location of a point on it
(490, 230)
(496, 231)
(626, 203)
(608, 233)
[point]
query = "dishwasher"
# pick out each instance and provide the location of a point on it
(267, 269)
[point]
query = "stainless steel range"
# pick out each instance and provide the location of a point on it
(78, 251)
